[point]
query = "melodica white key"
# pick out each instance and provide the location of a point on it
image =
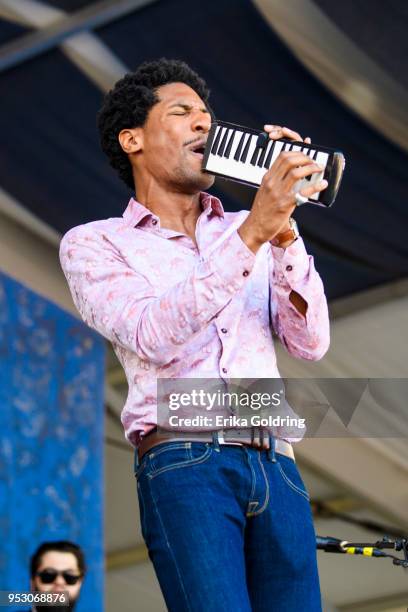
(242, 154)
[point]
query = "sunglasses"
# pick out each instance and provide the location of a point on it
(49, 576)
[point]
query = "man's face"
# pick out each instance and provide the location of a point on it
(176, 127)
(56, 562)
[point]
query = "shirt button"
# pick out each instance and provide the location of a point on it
(224, 331)
(154, 221)
(224, 370)
(289, 268)
(245, 273)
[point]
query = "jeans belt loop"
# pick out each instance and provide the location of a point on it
(271, 450)
(215, 441)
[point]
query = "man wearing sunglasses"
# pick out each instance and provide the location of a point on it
(58, 567)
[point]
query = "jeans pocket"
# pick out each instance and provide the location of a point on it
(291, 476)
(175, 455)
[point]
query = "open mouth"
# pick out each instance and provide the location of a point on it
(198, 149)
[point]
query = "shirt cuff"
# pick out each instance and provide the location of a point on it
(291, 264)
(232, 261)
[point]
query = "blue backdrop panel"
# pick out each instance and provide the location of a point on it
(51, 437)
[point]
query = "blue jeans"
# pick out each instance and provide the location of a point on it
(228, 528)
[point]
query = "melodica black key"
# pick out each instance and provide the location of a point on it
(242, 154)
(260, 148)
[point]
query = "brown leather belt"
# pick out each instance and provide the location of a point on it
(255, 437)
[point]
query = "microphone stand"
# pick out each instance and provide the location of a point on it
(376, 549)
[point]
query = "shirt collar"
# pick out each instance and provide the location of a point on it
(211, 204)
(135, 211)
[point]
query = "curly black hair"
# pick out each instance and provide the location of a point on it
(127, 105)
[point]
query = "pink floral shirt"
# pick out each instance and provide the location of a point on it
(173, 310)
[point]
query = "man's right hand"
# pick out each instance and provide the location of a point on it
(275, 200)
